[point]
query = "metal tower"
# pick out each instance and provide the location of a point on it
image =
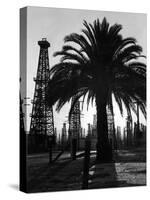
(129, 130)
(42, 116)
(64, 134)
(22, 128)
(94, 121)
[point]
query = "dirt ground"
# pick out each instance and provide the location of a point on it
(128, 169)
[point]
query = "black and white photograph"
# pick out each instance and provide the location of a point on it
(82, 99)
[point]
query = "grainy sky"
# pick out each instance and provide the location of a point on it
(54, 24)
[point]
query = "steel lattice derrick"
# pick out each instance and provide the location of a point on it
(42, 116)
(75, 120)
(22, 128)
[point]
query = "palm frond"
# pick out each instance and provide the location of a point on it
(119, 101)
(81, 41)
(124, 43)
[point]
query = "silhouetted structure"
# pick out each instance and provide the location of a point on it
(129, 131)
(42, 116)
(22, 128)
(94, 121)
(89, 131)
(118, 138)
(64, 135)
(111, 128)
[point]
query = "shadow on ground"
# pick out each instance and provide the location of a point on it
(14, 186)
(103, 176)
(130, 155)
(128, 169)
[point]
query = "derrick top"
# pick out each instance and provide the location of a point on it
(44, 43)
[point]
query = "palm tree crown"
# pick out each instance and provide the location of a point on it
(99, 62)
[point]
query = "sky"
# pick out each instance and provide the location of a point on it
(54, 24)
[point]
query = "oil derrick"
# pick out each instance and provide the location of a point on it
(22, 128)
(89, 130)
(94, 126)
(119, 140)
(22, 143)
(75, 122)
(42, 124)
(129, 130)
(94, 121)
(64, 135)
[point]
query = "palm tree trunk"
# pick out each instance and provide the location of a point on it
(104, 150)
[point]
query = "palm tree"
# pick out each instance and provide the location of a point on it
(97, 64)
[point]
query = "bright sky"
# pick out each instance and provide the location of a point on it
(54, 24)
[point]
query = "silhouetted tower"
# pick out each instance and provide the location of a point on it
(118, 135)
(22, 128)
(75, 121)
(42, 116)
(89, 131)
(94, 126)
(55, 134)
(64, 134)
(129, 130)
(94, 121)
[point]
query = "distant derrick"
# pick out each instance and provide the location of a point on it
(64, 135)
(111, 128)
(22, 127)
(94, 121)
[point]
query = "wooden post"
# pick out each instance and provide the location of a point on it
(86, 163)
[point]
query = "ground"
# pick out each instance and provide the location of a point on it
(128, 169)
